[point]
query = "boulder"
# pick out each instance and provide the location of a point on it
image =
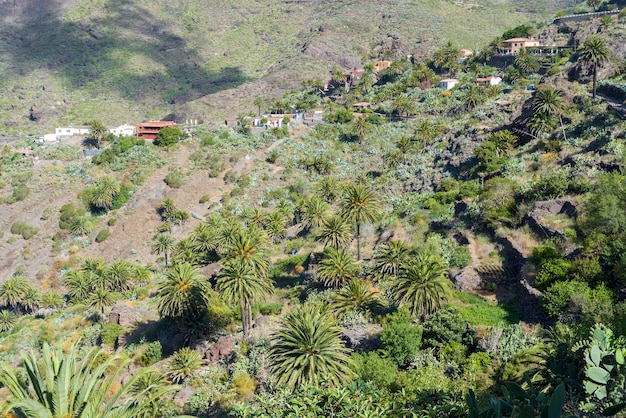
(222, 349)
(467, 279)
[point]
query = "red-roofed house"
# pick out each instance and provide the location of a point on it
(150, 130)
(488, 81)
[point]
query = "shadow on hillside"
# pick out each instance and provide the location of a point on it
(109, 52)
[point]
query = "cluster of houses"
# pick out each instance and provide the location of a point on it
(149, 130)
(146, 130)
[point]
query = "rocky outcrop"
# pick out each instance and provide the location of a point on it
(542, 209)
(221, 349)
(467, 280)
(124, 314)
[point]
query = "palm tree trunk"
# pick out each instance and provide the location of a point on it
(594, 81)
(166, 259)
(244, 318)
(562, 128)
(358, 242)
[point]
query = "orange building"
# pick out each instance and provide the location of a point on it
(150, 130)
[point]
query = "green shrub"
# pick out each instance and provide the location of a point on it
(552, 271)
(444, 327)
(558, 299)
(20, 192)
(205, 198)
(207, 141)
(102, 235)
(230, 176)
(400, 339)
(120, 198)
(24, 229)
(271, 309)
(112, 222)
(169, 136)
(110, 333)
(371, 367)
(175, 179)
(151, 354)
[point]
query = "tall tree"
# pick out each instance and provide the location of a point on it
(594, 51)
(13, 290)
(357, 295)
(240, 284)
(361, 128)
(422, 285)
(58, 384)
(163, 244)
(359, 205)
(97, 132)
(183, 294)
(315, 212)
(548, 102)
(390, 257)
(335, 232)
(337, 267)
(258, 102)
(100, 299)
(308, 349)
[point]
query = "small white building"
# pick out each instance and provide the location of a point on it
(488, 81)
(123, 130)
(72, 130)
(52, 137)
(448, 83)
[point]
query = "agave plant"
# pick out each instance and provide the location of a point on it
(67, 384)
(183, 364)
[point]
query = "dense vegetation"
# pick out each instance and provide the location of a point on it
(440, 253)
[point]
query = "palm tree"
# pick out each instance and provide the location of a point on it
(276, 226)
(390, 257)
(548, 101)
(360, 205)
(422, 284)
(258, 102)
(58, 384)
(361, 127)
(77, 284)
(337, 267)
(308, 349)
(248, 245)
(328, 188)
(238, 283)
(594, 51)
(335, 232)
(183, 293)
(13, 290)
(100, 299)
(525, 62)
(102, 194)
(97, 132)
(119, 275)
(144, 389)
(405, 144)
(315, 212)
(163, 244)
(7, 320)
(31, 300)
(357, 296)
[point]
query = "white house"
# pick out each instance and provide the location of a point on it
(72, 130)
(488, 81)
(49, 137)
(123, 130)
(448, 83)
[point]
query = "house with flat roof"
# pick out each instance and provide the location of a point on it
(448, 83)
(150, 130)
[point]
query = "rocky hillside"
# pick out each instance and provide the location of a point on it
(65, 62)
